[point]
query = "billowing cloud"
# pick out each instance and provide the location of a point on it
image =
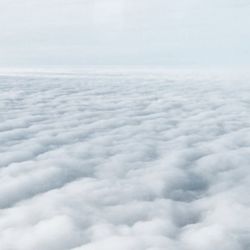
(124, 160)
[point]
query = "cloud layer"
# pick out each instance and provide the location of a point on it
(124, 160)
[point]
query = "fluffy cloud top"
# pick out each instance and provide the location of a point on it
(124, 160)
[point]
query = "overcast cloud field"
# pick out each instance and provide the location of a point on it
(124, 160)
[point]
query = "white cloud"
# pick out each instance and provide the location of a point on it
(125, 159)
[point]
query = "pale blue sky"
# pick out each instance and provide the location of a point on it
(124, 32)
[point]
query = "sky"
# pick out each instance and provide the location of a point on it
(171, 33)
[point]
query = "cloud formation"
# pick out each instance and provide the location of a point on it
(124, 160)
